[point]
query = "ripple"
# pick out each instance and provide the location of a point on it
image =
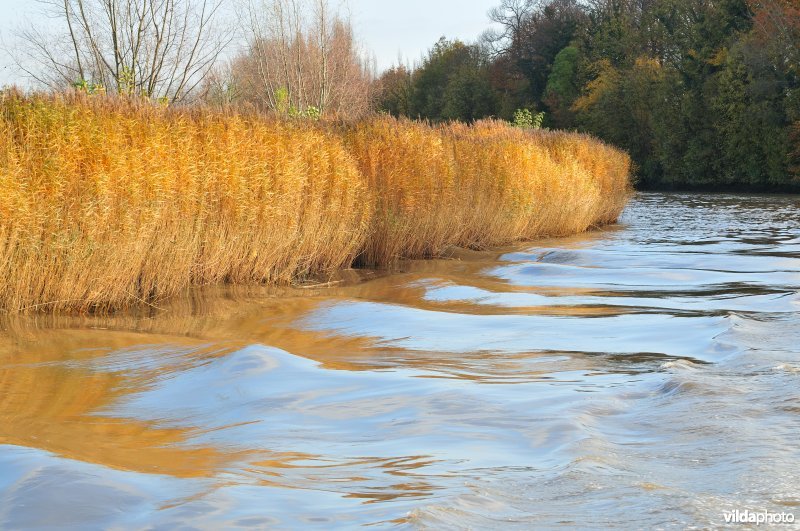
(643, 376)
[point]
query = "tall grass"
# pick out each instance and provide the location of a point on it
(481, 185)
(106, 203)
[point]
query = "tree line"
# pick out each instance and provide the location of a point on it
(703, 93)
(290, 57)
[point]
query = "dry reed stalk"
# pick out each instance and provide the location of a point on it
(106, 203)
(481, 185)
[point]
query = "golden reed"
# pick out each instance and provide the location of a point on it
(106, 203)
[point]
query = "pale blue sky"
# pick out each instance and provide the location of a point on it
(411, 27)
(388, 28)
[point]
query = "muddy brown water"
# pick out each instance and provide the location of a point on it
(642, 376)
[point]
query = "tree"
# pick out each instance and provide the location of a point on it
(776, 30)
(666, 104)
(395, 88)
(523, 50)
(452, 84)
(543, 34)
(302, 54)
(751, 118)
(153, 48)
(510, 15)
(562, 87)
(624, 107)
(469, 96)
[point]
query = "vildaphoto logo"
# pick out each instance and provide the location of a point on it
(757, 517)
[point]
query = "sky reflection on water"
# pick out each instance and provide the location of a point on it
(641, 376)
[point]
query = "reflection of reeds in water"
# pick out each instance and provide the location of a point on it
(106, 203)
(277, 316)
(62, 393)
(56, 405)
(59, 393)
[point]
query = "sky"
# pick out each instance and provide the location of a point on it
(411, 27)
(390, 29)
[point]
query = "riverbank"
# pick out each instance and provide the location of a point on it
(106, 203)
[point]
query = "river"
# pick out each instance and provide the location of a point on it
(642, 376)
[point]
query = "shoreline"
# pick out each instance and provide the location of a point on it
(217, 302)
(108, 204)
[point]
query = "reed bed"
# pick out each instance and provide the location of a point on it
(480, 185)
(105, 203)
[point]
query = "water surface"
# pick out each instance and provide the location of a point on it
(642, 376)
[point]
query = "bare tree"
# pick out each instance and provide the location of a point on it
(777, 24)
(510, 15)
(152, 48)
(302, 54)
(219, 87)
